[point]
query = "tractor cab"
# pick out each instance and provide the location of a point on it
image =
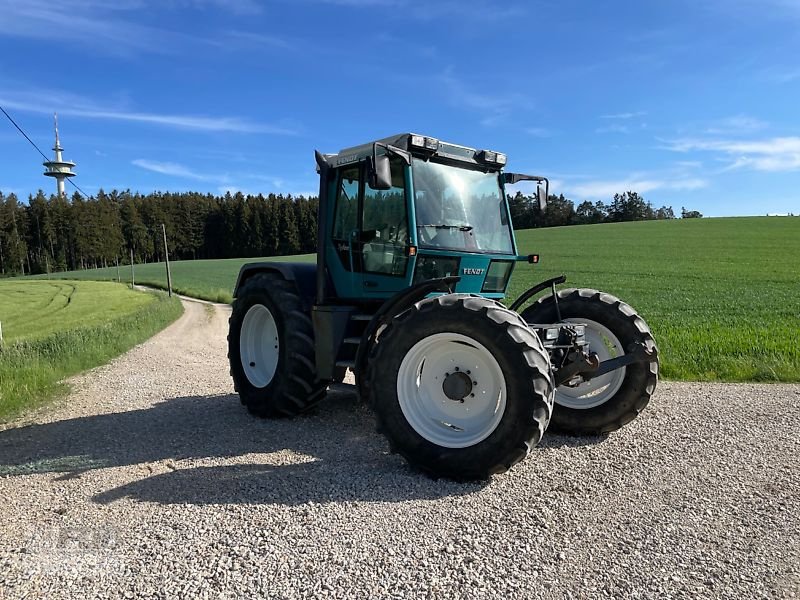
(410, 208)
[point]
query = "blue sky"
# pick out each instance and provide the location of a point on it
(691, 103)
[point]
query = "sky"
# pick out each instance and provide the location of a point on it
(691, 103)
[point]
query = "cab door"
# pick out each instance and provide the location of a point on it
(342, 260)
(370, 234)
(383, 237)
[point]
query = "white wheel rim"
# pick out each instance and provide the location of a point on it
(259, 345)
(437, 418)
(597, 390)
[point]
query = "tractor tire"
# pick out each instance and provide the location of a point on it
(271, 349)
(608, 402)
(460, 386)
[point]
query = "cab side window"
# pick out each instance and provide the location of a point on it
(346, 218)
(385, 226)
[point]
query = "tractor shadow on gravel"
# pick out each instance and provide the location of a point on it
(209, 450)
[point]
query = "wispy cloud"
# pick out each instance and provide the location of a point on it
(365, 3)
(625, 115)
(425, 10)
(613, 128)
(114, 28)
(538, 132)
(781, 74)
(605, 189)
(175, 170)
(755, 9)
(237, 7)
(771, 155)
(65, 103)
(495, 106)
(624, 122)
(255, 39)
(241, 181)
(736, 125)
(103, 25)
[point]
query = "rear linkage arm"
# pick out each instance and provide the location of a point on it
(587, 365)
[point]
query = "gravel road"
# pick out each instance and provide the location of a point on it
(151, 480)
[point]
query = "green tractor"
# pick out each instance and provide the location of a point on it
(415, 249)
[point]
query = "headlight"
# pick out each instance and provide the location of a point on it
(497, 276)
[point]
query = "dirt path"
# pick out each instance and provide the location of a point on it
(150, 480)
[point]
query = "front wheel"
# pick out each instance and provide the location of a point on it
(461, 386)
(612, 328)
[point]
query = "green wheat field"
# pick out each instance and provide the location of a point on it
(54, 329)
(722, 296)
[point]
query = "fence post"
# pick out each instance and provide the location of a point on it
(166, 260)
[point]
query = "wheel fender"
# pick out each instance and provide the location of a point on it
(303, 275)
(395, 305)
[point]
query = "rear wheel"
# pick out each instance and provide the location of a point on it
(607, 402)
(461, 386)
(271, 349)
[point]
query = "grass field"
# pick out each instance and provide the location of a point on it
(722, 296)
(206, 279)
(53, 329)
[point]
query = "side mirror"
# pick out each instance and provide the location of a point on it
(380, 173)
(541, 196)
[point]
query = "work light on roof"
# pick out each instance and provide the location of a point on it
(492, 157)
(425, 143)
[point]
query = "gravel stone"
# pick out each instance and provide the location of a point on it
(151, 481)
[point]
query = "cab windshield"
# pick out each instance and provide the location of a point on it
(460, 209)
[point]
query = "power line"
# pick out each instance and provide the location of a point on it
(25, 135)
(14, 123)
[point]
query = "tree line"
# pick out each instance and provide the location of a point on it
(560, 211)
(53, 233)
(58, 234)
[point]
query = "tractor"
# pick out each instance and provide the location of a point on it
(415, 249)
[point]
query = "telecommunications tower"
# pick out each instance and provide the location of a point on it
(59, 168)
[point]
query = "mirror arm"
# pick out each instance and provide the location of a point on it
(392, 150)
(513, 178)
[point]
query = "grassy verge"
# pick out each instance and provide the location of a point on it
(33, 364)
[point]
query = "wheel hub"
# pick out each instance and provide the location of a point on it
(438, 402)
(457, 386)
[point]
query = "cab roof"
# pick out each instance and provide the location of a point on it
(445, 150)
